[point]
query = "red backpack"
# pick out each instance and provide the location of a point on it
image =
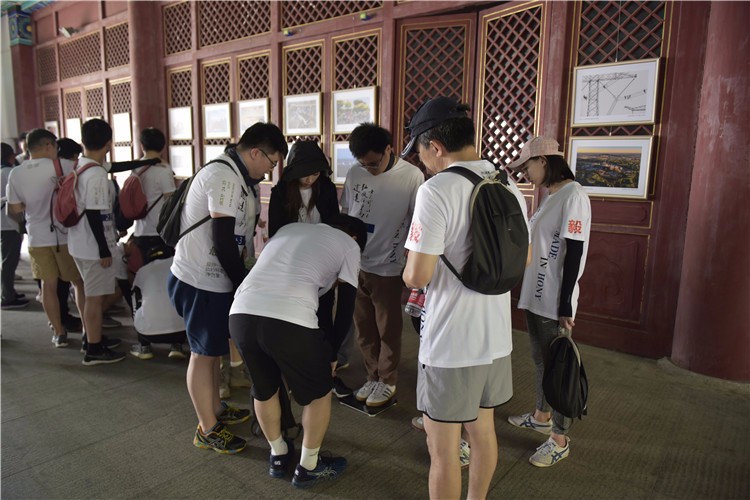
(132, 198)
(63, 201)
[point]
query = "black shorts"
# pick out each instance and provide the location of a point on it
(272, 348)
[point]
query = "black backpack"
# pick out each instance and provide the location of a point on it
(566, 387)
(170, 215)
(499, 236)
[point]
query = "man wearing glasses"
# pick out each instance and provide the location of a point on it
(207, 269)
(380, 191)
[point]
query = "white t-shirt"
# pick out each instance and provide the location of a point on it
(385, 203)
(460, 327)
(6, 223)
(33, 183)
(220, 189)
(157, 181)
(564, 214)
(156, 315)
(94, 191)
(311, 217)
(297, 265)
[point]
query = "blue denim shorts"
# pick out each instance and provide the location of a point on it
(206, 316)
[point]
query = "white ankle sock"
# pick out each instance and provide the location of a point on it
(279, 446)
(309, 458)
(235, 364)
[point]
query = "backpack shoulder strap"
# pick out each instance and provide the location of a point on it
(142, 171)
(465, 173)
(58, 167)
(80, 170)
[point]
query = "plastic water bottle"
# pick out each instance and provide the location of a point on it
(415, 304)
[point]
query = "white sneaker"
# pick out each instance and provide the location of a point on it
(549, 453)
(381, 394)
(464, 454)
(177, 351)
(238, 377)
(418, 423)
(527, 421)
(141, 351)
(364, 392)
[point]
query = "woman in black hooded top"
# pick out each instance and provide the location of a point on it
(305, 192)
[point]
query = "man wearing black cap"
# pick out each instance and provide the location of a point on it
(464, 366)
(380, 191)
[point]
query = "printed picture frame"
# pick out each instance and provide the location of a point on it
(217, 123)
(343, 160)
(181, 123)
(73, 129)
(352, 107)
(52, 127)
(251, 112)
(211, 151)
(181, 161)
(121, 127)
(302, 114)
(612, 166)
(615, 93)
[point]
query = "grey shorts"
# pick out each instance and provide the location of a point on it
(455, 395)
(97, 280)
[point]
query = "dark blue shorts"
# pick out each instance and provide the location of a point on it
(206, 316)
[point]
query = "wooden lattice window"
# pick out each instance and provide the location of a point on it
(253, 76)
(216, 87)
(51, 105)
(512, 61)
(117, 45)
(221, 21)
(615, 131)
(620, 31)
(119, 96)
(355, 62)
(436, 58)
(303, 70)
(73, 107)
(81, 56)
(180, 88)
(94, 101)
(177, 33)
(299, 12)
(46, 60)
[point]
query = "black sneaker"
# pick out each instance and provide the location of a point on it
(72, 324)
(60, 340)
(107, 342)
(231, 415)
(328, 469)
(219, 439)
(340, 389)
(16, 303)
(280, 463)
(103, 358)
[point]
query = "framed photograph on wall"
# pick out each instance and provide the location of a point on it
(615, 94)
(216, 121)
(73, 129)
(352, 107)
(121, 128)
(52, 127)
(343, 160)
(211, 151)
(612, 167)
(180, 123)
(123, 153)
(251, 112)
(302, 114)
(181, 160)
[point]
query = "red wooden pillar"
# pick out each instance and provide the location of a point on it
(147, 91)
(24, 69)
(712, 334)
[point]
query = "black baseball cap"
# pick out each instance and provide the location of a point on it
(429, 115)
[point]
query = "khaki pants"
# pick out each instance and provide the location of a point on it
(377, 317)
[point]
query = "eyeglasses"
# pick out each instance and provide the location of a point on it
(372, 165)
(273, 163)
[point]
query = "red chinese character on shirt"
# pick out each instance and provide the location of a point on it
(575, 226)
(415, 233)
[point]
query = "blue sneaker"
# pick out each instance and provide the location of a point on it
(280, 463)
(328, 469)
